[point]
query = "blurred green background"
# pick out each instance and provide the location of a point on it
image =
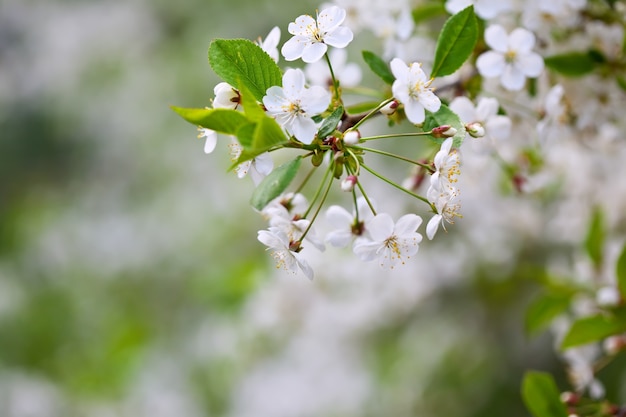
(131, 281)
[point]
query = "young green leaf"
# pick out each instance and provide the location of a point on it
(330, 123)
(573, 64)
(445, 116)
(595, 328)
(221, 120)
(378, 66)
(545, 308)
(251, 107)
(242, 62)
(455, 43)
(275, 183)
(257, 138)
(621, 272)
(542, 396)
(596, 235)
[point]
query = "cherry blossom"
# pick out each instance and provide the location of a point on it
(346, 226)
(511, 59)
(447, 210)
(270, 44)
(211, 139)
(447, 168)
(226, 97)
(287, 257)
(496, 127)
(411, 89)
(294, 104)
(390, 243)
(258, 167)
(312, 36)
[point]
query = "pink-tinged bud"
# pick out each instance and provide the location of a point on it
(444, 131)
(475, 129)
(389, 108)
(614, 344)
(352, 137)
(348, 183)
(569, 398)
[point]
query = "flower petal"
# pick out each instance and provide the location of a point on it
(313, 52)
(366, 250)
(490, 64)
(210, 142)
(339, 38)
(293, 84)
(497, 38)
(303, 264)
(399, 69)
(407, 224)
(429, 100)
(293, 48)
(464, 108)
(414, 111)
(486, 108)
(329, 19)
(380, 227)
(302, 26)
(304, 129)
(433, 226)
(521, 40)
(531, 64)
(512, 78)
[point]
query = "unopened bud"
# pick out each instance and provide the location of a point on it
(569, 398)
(443, 131)
(613, 344)
(475, 129)
(348, 183)
(389, 108)
(352, 137)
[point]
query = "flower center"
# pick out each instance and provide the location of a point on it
(510, 56)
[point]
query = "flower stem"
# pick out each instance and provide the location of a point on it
(319, 207)
(371, 113)
(306, 179)
(391, 155)
(397, 135)
(332, 75)
(319, 190)
(399, 187)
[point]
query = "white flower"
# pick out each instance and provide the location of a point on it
(282, 252)
(608, 297)
(411, 89)
(447, 209)
(270, 44)
(226, 97)
(294, 104)
(348, 75)
(486, 9)
(496, 127)
(211, 139)
(447, 169)
(312, 37)
(288, 206)
(258, 167)
(512, 58)
(390, 243)
(346, 225)
(294, 228)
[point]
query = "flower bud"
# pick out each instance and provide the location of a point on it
(608, 297)
(348, 183)
(443, 131)
(475, 129)
(614, 344)
(569, 398)
(389, 108)
(352, 137)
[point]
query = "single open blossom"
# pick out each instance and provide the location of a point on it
(411, 89)
(345, 224)
(447, 210)
(270, 44)
(447, 168)
(482, 118)
(390, 243)
(511, 59)
(293, 105)
(283, 252)
(312, 36)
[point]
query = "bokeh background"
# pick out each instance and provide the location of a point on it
(131, 280)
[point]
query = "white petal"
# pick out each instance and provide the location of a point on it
(293, 48)
(272, 39)
(293, 83)
(339, 217)
(498, 127)
(315, 100)
(313, 52)
(414, 111)
(429, 100)
(274, 99)
(521, 40)
(531, 64)
(210, 143)
(304, 129)
(330, 18)
(490, 64)
(497, 38)
(303, 264)
(433, 226)
(407, 224)
(339, 38)
(300, 27)
(488, 9)
(455, 6)
(464, 108)
(399, 69)
(263, 163)
(350, 75)
(512, 78)
(486, 108)
(365, 249)
(400, 91)
(270, 239)
(339, 238)
(380, 227)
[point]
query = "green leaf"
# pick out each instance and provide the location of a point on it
(427, 11)
(378, 66)
(251, 107)
(595, 328)
(275, 183)
(257, 138)
(221, 120)
(330, 123)
(573, 64)
(242, 62)
(596, 235)
(456, 42)
(621, 272)
(445, 116)
(542, 396)
(545, 308)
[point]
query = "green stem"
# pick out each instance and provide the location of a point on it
(402, 158)
(356, 161)
(319, 207)
(399, 187)
(306, 179)
(372, 112)
(319, 190)
(332, 75)
(397, 135)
